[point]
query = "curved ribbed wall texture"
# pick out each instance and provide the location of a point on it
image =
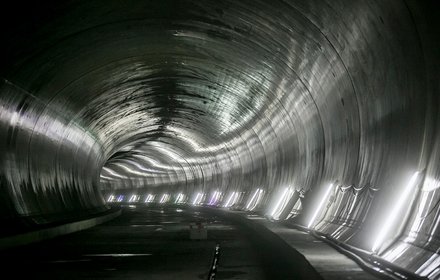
(337, 99)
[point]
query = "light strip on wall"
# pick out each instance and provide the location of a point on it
(150, 198)
(180, 198)
(395, 212)
(197, 198)
(279, 202)
(230, 199)
(235, 199)
(214, 198)
(318, 210)
(252, 199)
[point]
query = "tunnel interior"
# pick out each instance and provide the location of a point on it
(321, 112)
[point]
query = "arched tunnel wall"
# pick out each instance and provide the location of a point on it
(228, 96)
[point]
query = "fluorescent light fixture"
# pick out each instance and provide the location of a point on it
(253, 203)
(198, 199)
(166, 198)
(259, 197)
(134, 198)
(395, 212)
(120, 198)
(279, 202)
(215, 197)
(111, 198)
(180, 198)
(228, 202)
(252, 199)
(150, 198)
(318, 210)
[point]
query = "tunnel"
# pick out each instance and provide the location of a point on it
(318, 114)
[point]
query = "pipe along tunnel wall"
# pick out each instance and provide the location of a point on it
(337, 100)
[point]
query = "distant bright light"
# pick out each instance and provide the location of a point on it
(253, 203)
(395, 212)
(198, 199)
(111, 198)
(318, 210)
(228, 202)
(164, 198)
(150, 198)
(120, 198)
(180, 198)
(281, 204)
(215, 197)
(134, 198)
(430, 184)
(259, 197)
(252, 199)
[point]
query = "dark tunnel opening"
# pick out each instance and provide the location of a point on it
(324, 114)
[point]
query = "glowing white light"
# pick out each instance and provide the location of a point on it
(259, 197)
(395, 212)
(430, 184)
(215, 197)
(120, 198)
(180, 198)
(219, 194)
(253, 203)
(279, 201)
(282, 202)
(111, 198)
(318, 210)
(228, 202)
(150, 198)
(198, 199)
(252, 199)
(165, 198)
(202, 198)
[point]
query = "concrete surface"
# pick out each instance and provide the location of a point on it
(329, 263)
(48, 233)
(154, 243)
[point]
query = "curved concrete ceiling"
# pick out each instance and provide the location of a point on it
(196, 96)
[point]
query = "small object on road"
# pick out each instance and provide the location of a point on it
(198, 231)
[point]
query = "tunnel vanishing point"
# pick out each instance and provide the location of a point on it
(325, 113)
